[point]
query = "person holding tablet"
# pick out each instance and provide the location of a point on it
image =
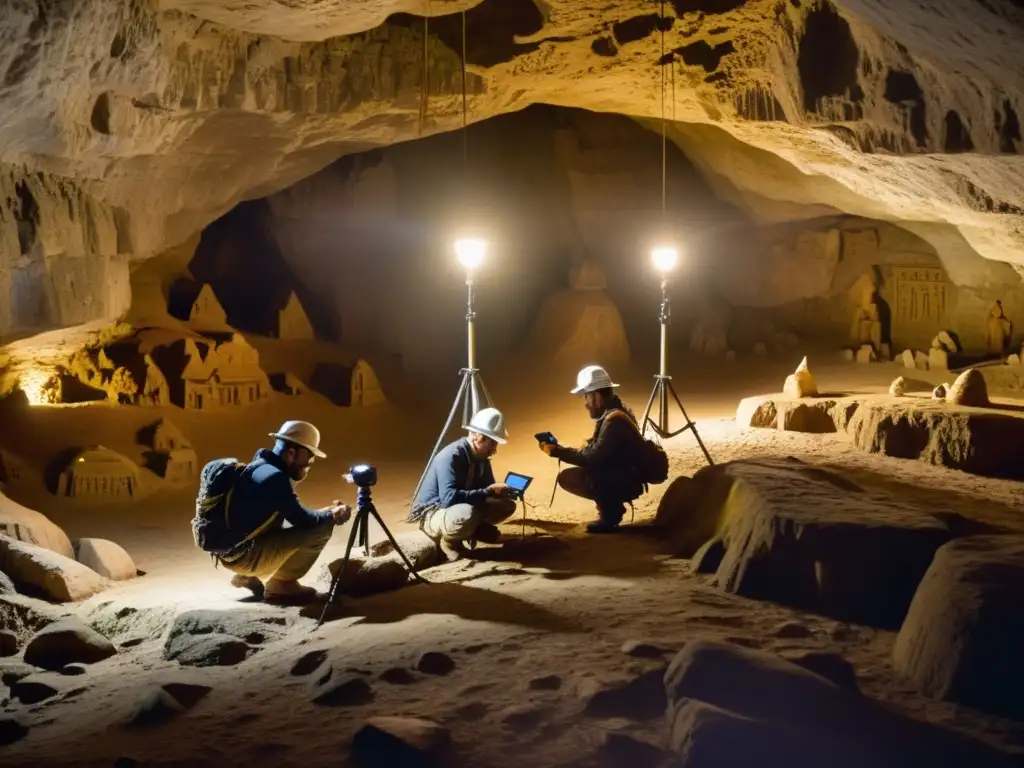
(459, 500)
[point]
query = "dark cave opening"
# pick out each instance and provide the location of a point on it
(828, 57)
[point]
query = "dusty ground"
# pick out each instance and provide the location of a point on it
(530, 612)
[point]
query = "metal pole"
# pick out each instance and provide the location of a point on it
(663, 367)
(470, 333)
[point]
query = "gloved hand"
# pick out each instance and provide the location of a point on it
(547, 447)
(341, 513)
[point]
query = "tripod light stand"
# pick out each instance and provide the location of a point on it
(472, 395)
(664, 260)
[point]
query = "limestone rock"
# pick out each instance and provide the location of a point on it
(866, 354)
(9, 643)
(106, 558)
(938, 360)
(962, 636)
(908, 359)
(921, 361)
(757, 412)
(898, 387)
(29, 526)
(368, 576)
(6, 585)
(66, 642)
(210, 651)
(969, 389)
(58, 577)
(421, 550)
(979, 442)
(800, 383)
(734, 706)
(939, 393)
(34, 688)
(1013, 359)
(407, 741)
(810, 538)
(223, 638)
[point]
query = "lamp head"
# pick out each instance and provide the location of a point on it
(664, 258)
(470, 252)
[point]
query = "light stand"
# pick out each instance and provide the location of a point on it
(472, 395)
(664, 258)
(361, 531)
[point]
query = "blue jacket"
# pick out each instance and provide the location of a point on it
(454, 477)
(264, 496)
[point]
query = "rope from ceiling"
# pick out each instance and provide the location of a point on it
(425, 90)
(661, 24)
(465, 120)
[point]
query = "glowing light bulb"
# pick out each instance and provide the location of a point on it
(470, 252)
(664, 258)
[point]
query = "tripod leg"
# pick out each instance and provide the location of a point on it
(650, 402)
(412, 568)
(663, 407)
(341, 570)
(691, 425)
(444, 431)
(487, 401)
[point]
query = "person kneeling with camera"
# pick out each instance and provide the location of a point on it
(241, 510)
(459, 501)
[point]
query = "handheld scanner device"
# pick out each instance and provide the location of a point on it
(546, 437)
(518, 483)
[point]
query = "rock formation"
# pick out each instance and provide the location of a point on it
(162, 117)
(800, 383)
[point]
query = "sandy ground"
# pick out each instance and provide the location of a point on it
(513, 616)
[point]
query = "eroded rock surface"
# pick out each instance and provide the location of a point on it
(962, 636)
(57, 577)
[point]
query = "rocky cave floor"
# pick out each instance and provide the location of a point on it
(514, 651)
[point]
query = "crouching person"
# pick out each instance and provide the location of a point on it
(606, 469)
(459, 502)
(242, 508)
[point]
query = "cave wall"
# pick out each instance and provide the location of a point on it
(371, 235)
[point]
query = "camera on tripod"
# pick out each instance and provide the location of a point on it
(361, 476)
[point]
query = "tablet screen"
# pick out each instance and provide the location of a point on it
(516, 481)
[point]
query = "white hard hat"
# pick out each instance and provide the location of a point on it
(490, 422)
(591, 379)
(301, 433)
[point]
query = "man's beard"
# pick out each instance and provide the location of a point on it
(595, 413)
(298, 474)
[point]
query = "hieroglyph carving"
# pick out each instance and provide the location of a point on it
(921, 295)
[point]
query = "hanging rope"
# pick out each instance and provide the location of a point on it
(465, 154)
(663, 137)
(425, 92)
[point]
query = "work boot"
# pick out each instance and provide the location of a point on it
(487, 533)
(452, 549)
(609, 515)
(288, 592)
(602, 526)
(251, 583)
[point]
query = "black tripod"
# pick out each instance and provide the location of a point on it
(472, 395)
(663, 388)
(361, 529)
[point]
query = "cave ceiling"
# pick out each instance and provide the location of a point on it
(126, 127)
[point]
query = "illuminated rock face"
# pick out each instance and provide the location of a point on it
(126, 129)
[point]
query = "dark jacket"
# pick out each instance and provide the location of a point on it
(609, 455)
(264, 496)
(454, 477)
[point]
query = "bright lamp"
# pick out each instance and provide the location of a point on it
(470, 252)
(664, 258)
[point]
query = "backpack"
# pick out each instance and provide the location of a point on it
(651, 459)
(210, 527)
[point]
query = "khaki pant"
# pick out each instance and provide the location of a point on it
(576, 481)
(285, 553)
(459, 521)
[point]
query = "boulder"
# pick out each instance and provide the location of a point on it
(982, 442)
(421, 550)
(9, 643)
(368, 576)
(800, 383)
(898, 387)
(962, 637)
(921, 361)
(55, 576)
(6, 585)
(938, 360)
(729, 705)
(106, 558)
(65, 642)
(866, 354)
(223, 638)
(969, 389)
(405, 741)
(757, 411)
(808, 537)
(27, 525)
(908, 359)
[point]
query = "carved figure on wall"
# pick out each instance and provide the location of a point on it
(99, 473)
(867, 321)
(999, 330)
(921, 295)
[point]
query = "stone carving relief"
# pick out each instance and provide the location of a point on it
(922, 295)
(998, 330)
(101, 474)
